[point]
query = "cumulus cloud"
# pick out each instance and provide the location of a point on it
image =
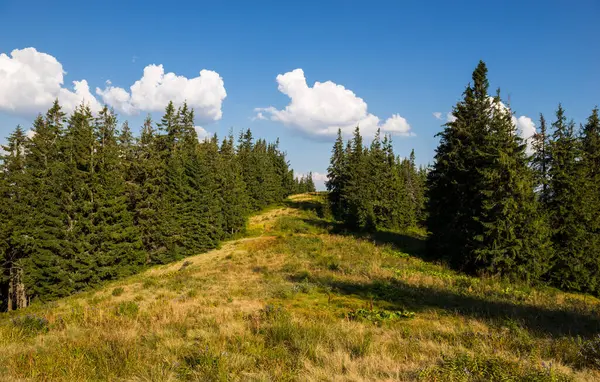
(259, 115)
(32, 80)
(201, 132)
(437, 115)
(156, 88)
(326, 106)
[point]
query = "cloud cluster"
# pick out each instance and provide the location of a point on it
(32, 80)
(155, 89)
(325, 107)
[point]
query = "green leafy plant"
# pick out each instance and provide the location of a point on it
(376, 315)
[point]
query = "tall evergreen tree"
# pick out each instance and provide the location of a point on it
(540, 160)
(114, 240)
(453, 197)
(14, 241)
(232, 189)
(482, 211)
(336, 177)
(567, 214)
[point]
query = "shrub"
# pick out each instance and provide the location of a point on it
(589, 353)
(31, 325)
(127, 309)
(118, 291)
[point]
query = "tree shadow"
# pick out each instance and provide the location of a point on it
(539, 321)
(306, 205)
(412, 244)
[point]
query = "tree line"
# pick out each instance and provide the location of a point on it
(371, 187)
(495, 209)
(84, 201)
(492, 203)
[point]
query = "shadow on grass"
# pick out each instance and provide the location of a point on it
(403, 242)
(539, 321)
(414, 245)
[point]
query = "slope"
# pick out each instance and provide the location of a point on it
(301, 299)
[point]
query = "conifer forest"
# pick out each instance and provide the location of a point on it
(84, 201)
(490, 206)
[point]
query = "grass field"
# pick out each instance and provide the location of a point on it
(300, 299)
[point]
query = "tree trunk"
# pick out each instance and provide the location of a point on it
(17, 296)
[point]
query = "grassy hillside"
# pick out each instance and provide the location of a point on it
(299, 299)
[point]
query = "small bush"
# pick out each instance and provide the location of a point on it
(31, 325)
(118, 291)
(149, 283)
(589, 353)
(127, 309)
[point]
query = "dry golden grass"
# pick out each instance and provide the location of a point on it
(278, 306)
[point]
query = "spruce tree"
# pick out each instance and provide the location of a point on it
(358, 193)
(482, 208)
(115, 241)
(540, 160)
(515, 239)
(47, 266)
(453, 197)
(232, 189)
(14, 227)
(572, 269)
(337, 177)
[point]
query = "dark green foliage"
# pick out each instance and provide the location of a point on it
(83, 203)
(378, 316)
(540, 160)
(371, 188)
(264, 171)
(483, 213)
(571, 208)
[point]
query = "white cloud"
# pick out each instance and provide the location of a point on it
(259, 115)
(202, 133)
(437, 115)
(526, 130)
(326, 106)
(151, 93)
(32, 80)
(30, 133)
(450, 117)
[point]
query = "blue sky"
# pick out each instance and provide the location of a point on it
(405, 60)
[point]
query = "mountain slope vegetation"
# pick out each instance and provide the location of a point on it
(300, 298)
